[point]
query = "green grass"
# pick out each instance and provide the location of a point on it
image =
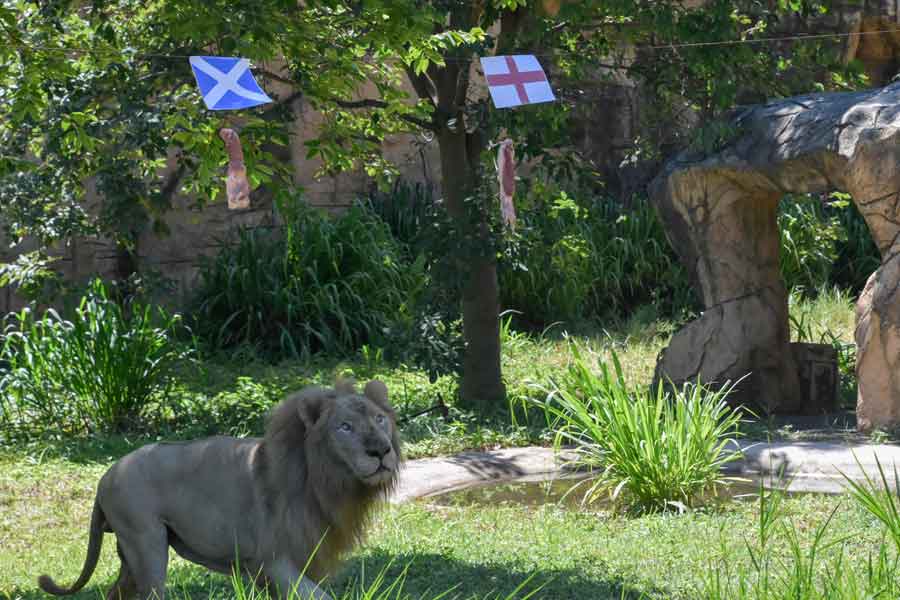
(47, 484)
(480, 549)
(230, 392)
(829, 314)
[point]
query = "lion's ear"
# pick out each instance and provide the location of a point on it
(311, 404)
(345, 386)
(377, 392)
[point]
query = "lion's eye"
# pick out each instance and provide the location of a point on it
(345, 427)
(380, 419)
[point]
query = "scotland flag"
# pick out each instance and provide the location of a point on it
(226, 82)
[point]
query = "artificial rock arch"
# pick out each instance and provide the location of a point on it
(720, 216)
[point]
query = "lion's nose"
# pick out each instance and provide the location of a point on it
(379, 452)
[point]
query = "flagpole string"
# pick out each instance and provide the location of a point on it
(671, 46)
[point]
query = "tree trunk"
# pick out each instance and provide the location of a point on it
(482, 382)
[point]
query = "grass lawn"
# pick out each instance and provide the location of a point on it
(580, 555)
(47, 486)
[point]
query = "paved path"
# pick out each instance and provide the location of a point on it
(810, 467)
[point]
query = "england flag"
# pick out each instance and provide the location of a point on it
(516, 80)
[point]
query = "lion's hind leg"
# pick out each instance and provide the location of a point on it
(146, 556)
(125, 587)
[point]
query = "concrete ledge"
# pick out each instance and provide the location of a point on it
(797, 466)
(431, 476)
(816, 466)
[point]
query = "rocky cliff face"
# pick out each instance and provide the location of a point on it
(720, 212)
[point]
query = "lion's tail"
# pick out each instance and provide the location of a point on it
(95, 542)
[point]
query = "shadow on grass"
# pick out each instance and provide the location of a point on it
(427, 577)
(430, 574)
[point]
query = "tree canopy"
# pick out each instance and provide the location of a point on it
(97, 98)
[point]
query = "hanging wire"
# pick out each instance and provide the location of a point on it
(672, 46)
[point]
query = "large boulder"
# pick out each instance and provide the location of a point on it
(878, 343)
(719, 209)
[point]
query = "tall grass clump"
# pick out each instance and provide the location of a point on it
(577, 255)
(318, 283)
(406, 209)
(815, 564)
(877, 498)
(654, 451)
(97, 371)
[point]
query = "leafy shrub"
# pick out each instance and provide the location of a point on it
(654, 451)
(432, 341)
(577, 257)
(406, 209)
(824, 244)
(808, 244)
(857, 254)
(98, 371)
(317, 284)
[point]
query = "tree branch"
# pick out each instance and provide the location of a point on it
(373, 103)
(423, 86)
(275, 76)
(286, 100)
(364, 103)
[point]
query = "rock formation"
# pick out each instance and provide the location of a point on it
(720, 214)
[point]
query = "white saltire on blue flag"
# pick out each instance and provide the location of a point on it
(226, 82)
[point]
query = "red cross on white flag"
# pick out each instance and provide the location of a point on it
(516, 80)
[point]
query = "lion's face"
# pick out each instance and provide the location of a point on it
(361, 433)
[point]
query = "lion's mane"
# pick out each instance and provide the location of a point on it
(321, 507)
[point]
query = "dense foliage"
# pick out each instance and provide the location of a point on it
(316, 284)
(578, 255)
(98, 371)
(825, 244)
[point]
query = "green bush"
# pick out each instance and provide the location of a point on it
(651, 451)
(808, 244)
(824, 244)
(406, 209)
(318, 284)
(578, 257)
(98, 371)
(857, 254)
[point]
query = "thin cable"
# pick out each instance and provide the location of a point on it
(109, 52)
(811, 36)
(766, 40)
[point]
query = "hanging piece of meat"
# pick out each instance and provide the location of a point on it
(237, 188)
(506, 167)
